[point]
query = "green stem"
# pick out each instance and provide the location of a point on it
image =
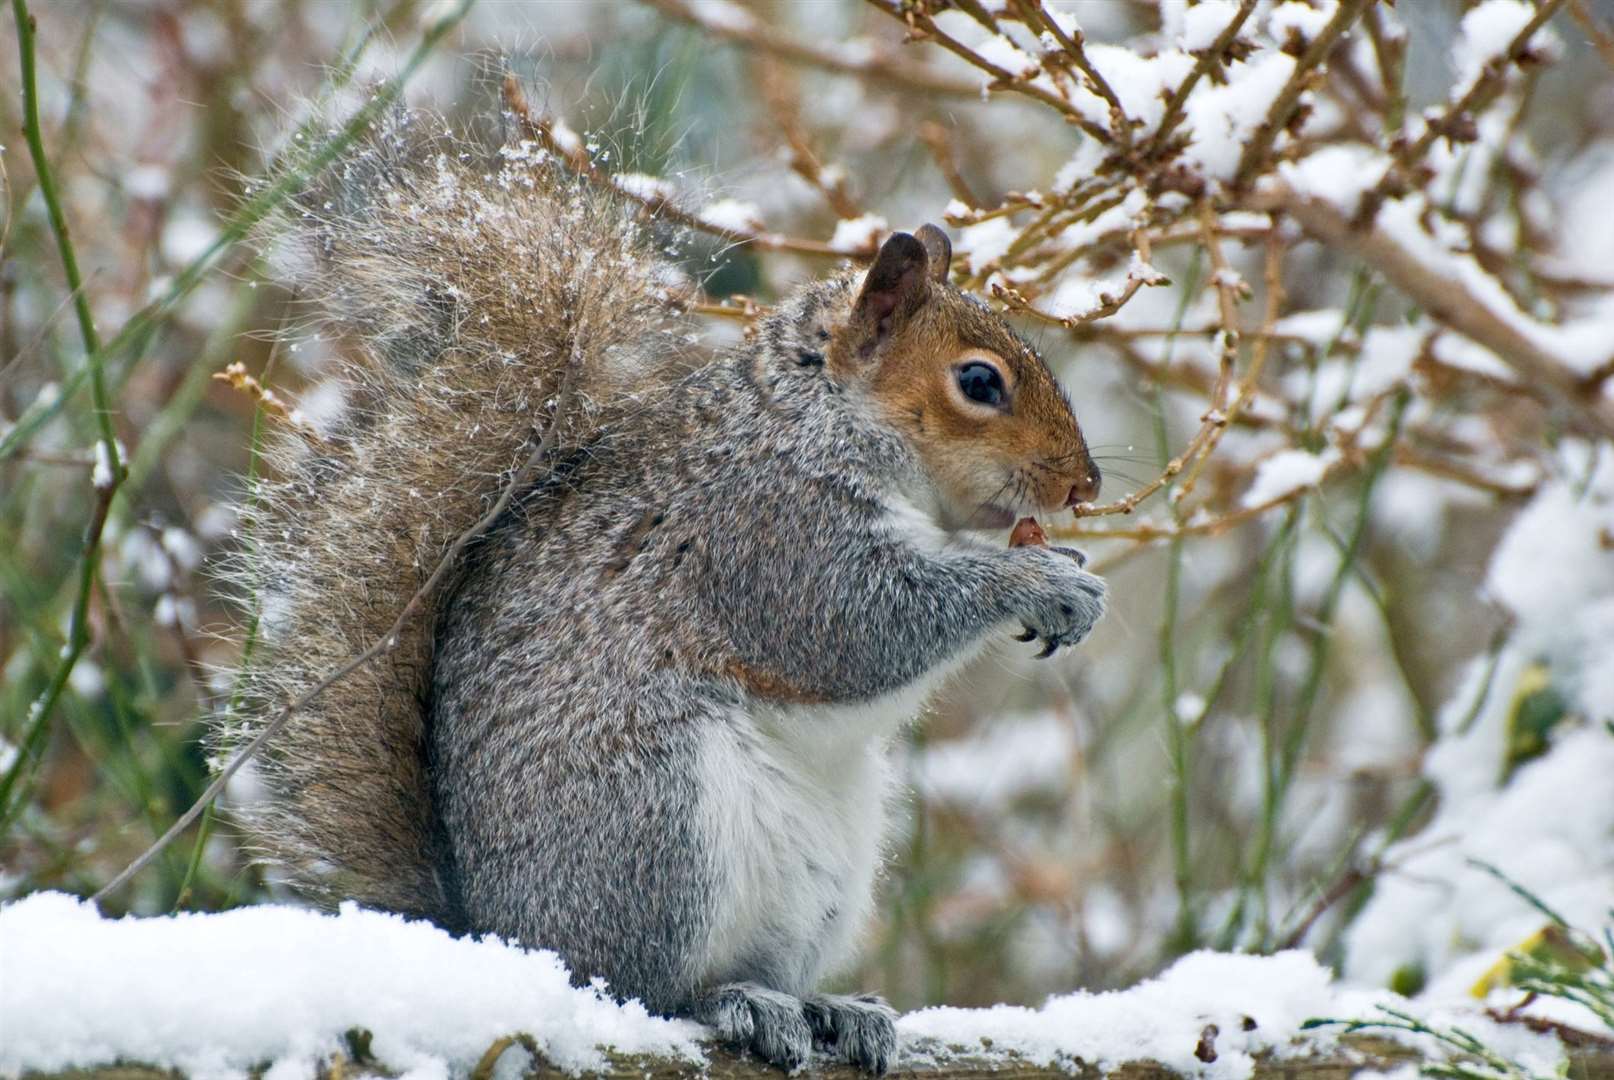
(130, 341)
(1178, 738)
(1281, 770)
(78, 635)
(58, 226)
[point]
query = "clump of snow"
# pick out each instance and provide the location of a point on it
(569, 141)
(1203, 23)
(1388, 353)
(1003, 53)
(181, 546)
(187, 237)
(1581, 346)
(1285, 472)
(733, 215)
(1141, 83)
(147, 182)
(1077, 297)
(1256, 1005)
(1083, 163)
(1162, 1019)
(1224, 118)
(859, 235)
(723, 15)
(1556, 554)
(1339, 174)
(215, 995)
(984, 244)
(1316, 327)
(1540, 810)
(1296, 19)
(102, 475)
(1484, 35)
(1459, 352)
(1082, 297)
(1065, 20)
(643, 186)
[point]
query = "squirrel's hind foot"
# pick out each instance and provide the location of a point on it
(783, 1030)
(770, 1024)
(861, 1029)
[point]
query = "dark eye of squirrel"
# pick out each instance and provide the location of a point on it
(981, 382)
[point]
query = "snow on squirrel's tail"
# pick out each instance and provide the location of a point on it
(462, 291)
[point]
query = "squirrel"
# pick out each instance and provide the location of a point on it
(645, 721)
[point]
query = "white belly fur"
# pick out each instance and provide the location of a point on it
(794, 801)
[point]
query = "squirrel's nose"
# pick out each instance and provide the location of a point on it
(1085, 489)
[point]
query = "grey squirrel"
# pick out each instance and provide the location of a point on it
(646, 722)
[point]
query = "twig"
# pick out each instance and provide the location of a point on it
(1032, 12)
(936, 140)
(785, 112)
(1485, 90)
(1272, 277)
(542, 132)
(1450, 301)
(235, 375)
(1108, 303)
(1207, 61)
(1258, 150)
(880, 67)
(1002, 79)
(385, 643)
(1602, 39)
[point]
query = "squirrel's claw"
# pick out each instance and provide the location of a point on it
(1076, 555)
(1027, 636)
(1048, 650)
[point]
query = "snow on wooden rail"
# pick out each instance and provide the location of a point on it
(282, 991)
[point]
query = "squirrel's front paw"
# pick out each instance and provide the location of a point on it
(1066, 603)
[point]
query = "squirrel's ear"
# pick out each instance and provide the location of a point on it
(938, 248)
(894, 288)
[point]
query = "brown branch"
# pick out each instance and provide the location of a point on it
(1214, 526)
(882, 66)
(1033, 14)
(1109, 303)
(1272, 278)
(1486, 89)
(542, 132)
(940, 145)
(923, 26)
(1258, 150)
(1413, 458)
(784, 109)
(1208, 60)
(1601, 38)
(1449, 301)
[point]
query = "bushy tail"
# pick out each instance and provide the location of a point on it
(463, 287)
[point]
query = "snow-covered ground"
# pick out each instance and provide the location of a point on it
(216, 994)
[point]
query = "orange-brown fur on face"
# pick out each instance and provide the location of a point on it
(990, 466)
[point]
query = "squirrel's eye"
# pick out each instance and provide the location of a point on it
(981, 382)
